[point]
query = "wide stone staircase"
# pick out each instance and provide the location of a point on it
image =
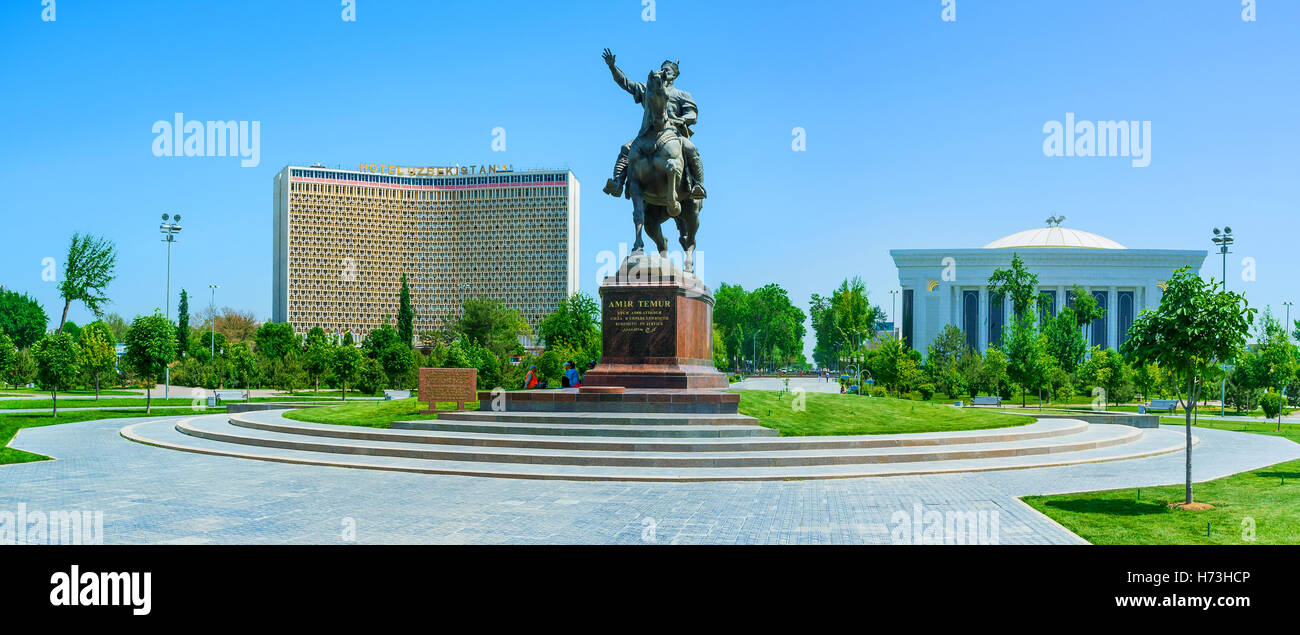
(686, 442)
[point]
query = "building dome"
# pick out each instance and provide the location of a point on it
(1054, 237)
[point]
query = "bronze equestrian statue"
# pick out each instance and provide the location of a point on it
(662, 168)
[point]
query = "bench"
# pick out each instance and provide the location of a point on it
(1164, 404)
(986, 401)
(390, 395)
(223, 396)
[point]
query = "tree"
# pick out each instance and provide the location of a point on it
(492, 325)
(995, 370)
(1086, 310)
(72, 330)
(405, 315)
(56, 363)
(276, 339)
(731, 314)
(575, 323)
(318, 357)
(98, 354)
(853, 318)
(346, 363)
(971, 370)
(116, 326)
(1025, 354)
(150, 347)
(719, 350)
(86, 272)
(397, 361)
(1107, 370)
(287, 372)
(1276, 356)
(8, 357)
(24, 369)
(1017, 283)
(1065, 341)
(183, 325)
(21, 318)
(1194, 326)
(943, 356)
(242, 363)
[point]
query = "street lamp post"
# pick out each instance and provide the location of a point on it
(1223, 239)
(212, 305)
(169, 231)
(1286, 326)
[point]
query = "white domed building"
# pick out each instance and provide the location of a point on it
(950, 286)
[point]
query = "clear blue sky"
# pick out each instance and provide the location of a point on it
(920, 133)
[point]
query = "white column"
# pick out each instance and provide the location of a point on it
(1112, 318)
(983, 327)
(1060, 298)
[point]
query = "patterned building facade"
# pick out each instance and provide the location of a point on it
(342, 240)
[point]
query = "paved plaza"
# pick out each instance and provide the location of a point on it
(155, 495)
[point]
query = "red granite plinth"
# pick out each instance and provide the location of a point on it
(656, 333)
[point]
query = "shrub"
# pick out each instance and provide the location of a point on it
(879, 391)
(926, 390)
(1272, 404)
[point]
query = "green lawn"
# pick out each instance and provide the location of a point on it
(834, 414)
(11, 423)
(825, 414)
(29, 404)
(371, 414)
(1270, 496)
(18, 392)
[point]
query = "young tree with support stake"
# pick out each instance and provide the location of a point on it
(1195, 325)
(98, 355)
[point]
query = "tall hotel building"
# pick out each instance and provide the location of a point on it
(343, 239)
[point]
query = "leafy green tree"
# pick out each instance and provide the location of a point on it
(1107, 370)
(23, 371)
(21, 318)
(346, 364)
(317, 359)
(1025, 354)
(243, 364)
(87, 270)
(489, 323)
(117, 326)
(575, 323)
(275, 339)
(56, 364)
(970, 367)
(1017, 283)
(98, 353)
(370, 376)
(1276, 363)
(1195, 325)
(719, 350)
(731, 313)
(1065, 342)
(1085, 310)
(8, 357)
(942, 358)
(995, 370)
(396, 360)
(853, 318)
(150, 347)
(183, 325)
(1146, 377)
(72, 329)
(287, 372)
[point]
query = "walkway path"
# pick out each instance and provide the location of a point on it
(153, 495)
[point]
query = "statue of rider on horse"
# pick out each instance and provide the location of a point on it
(661, 167)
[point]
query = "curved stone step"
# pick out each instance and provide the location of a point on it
(1053, 428)
(1093, 437)
(604, 418)
(163, 433)
(586, 429)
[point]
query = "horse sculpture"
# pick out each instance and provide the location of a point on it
(656, 178)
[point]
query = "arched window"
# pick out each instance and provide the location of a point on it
(971, 317)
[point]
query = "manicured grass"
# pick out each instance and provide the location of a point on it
(12, 422)
(46, 404)
(371, 414)
(11, 392)
(1270, 496)
(834, 414)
